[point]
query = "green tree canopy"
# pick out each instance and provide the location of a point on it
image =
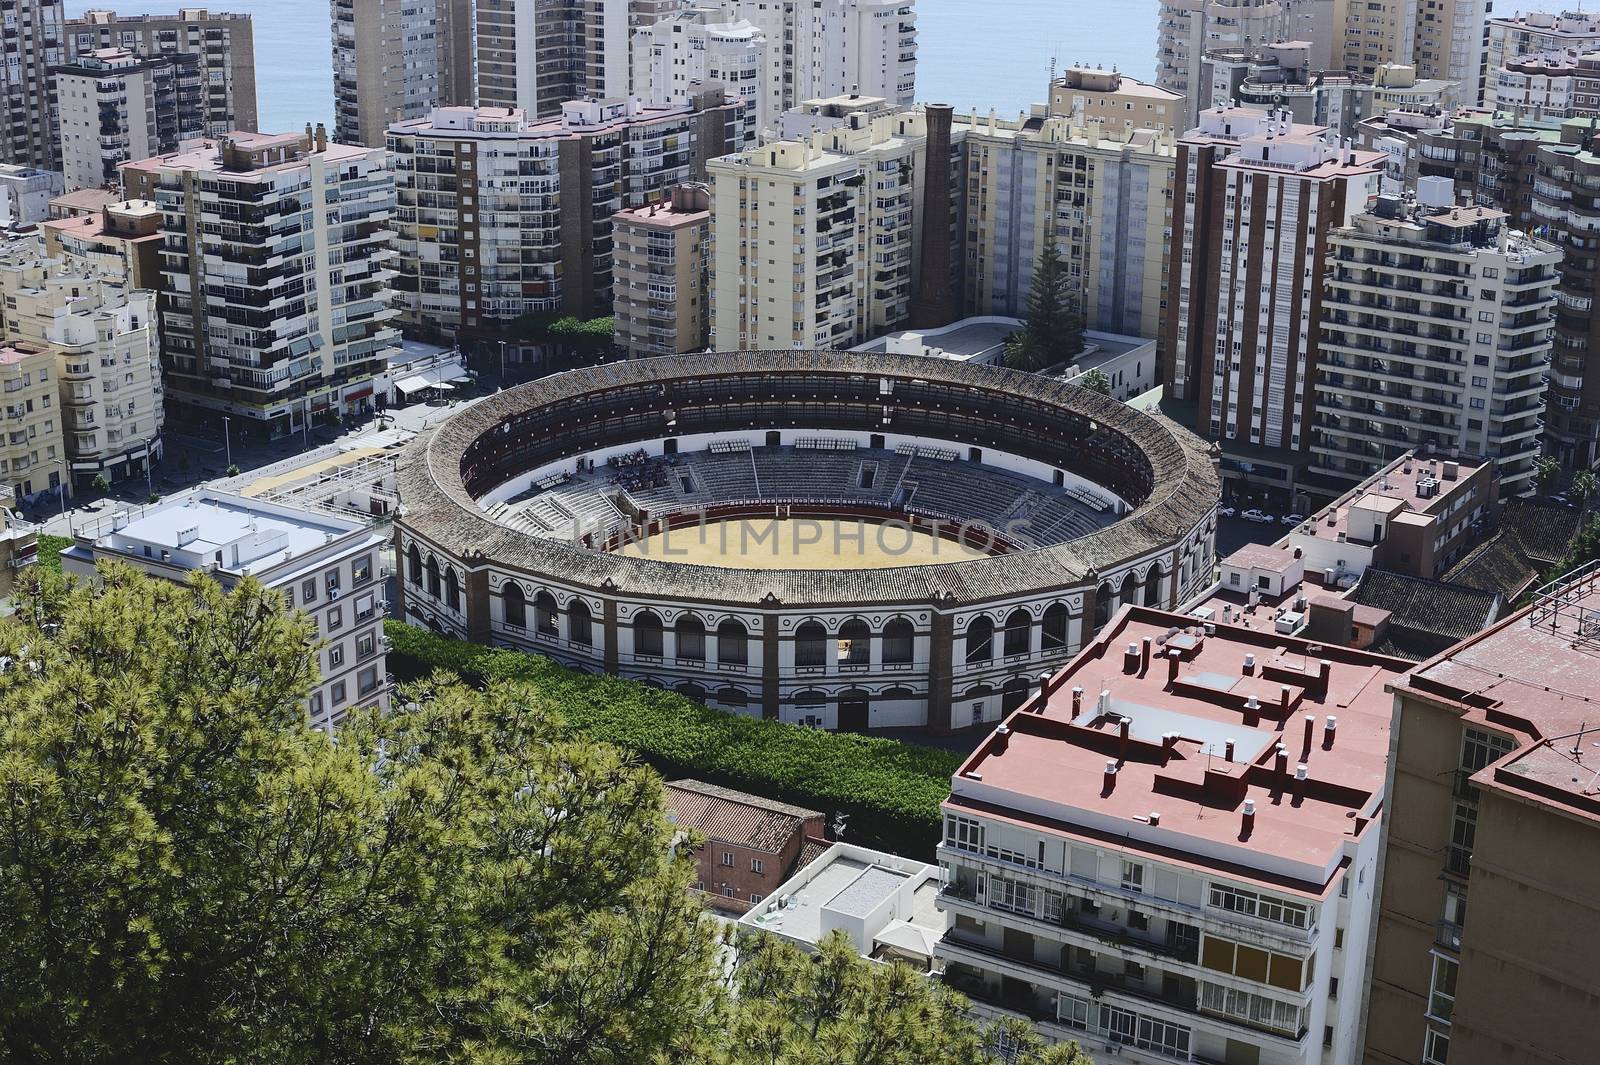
(1052, 329)
(188, 872)
(1095, 381)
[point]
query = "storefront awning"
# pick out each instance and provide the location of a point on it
(437, 377)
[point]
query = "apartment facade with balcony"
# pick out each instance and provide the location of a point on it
(1170, 852)
(1486, 930)
(1436, 336)
(107, 362)
(662, 300)
(501, 215)
(33, 450)
(396, 60)
(275, 299)
(222, 42)
(329, 567)
(815, 239)
(115, 105)
(1249, 257)
(696, 45)
(32, 33)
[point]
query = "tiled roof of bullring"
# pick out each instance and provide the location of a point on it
(437, 506)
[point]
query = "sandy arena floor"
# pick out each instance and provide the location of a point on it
(801, 543)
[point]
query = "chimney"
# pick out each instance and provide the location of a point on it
(1172, 666)
(1249, 665)
(322, 137)
(1280, 763)
(1300, 773)
(936, 299)
(1105, 701)
(1252, 711)
(1283, 703)
(1169, 740)
(1227, 750)
(1144, 656)
(1328, 731)
(1110, 780)
(1311, 725)
(1324, 672)
(1002, 737)
(1077, 700)
(1155, 818)
(1249, 818)
(1130, 659)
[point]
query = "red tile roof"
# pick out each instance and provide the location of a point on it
(727, 816)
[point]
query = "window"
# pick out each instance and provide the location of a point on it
(898, 642)
(308, 591)
(332, 580)
(338, 693)
(514, 604)
(733, 643)
(855, 643)
(361, 570)
(1132, 876)
(365, 608)
(691, 639)
(366, 645)
(579, 623)
(1053, 630)
(335, 619)
(1436, 1047)
(980, 640)
(546, 615)
(335, 656)
(727, 859)
(1018, 633)
(1266, 907)
(1013, 895)
(1442, 992)
(1333, 987)
(647, 634)
(755, 865)
(963, 833)
(754, 898)
(810, 645)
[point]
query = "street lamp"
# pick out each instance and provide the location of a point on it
(62, 488)
(227, 441)
(502, 364)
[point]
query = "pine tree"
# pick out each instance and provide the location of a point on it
(1052, 330)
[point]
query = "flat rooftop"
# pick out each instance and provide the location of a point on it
(1393, 490)
(205, 524)
(1212, 719)
(965, 340)
(1536, 675)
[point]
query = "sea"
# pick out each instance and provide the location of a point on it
(972, 53)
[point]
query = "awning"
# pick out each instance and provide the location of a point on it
(436, 377)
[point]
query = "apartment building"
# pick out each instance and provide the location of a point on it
(222, 43)
(115, 106)
(327, 566)
(1566, 209)
(32, 32)
(1187, 29)
(1486, 921)
(19, 543)
(1116, 101)
(535, 55)
(1396, 85)
(1492, 156)
(1103, 193)
(1416, 516)
(33, 453)
(662, 253)
(748, 845)
(1436, 334)
(503, 215)
(702, 45)
(107, 362)
(25, 194)
(275, 300)
(1507, 38)
(396, 60)
(1280, 76)
(815, 240)
(1171, 851)
(121, 242)
(1249, 259)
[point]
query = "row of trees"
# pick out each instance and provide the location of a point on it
(189, 873)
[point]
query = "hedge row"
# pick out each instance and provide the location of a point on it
(890, 789)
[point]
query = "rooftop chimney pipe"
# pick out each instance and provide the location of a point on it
(1077, 699)
(1328, 731)
(1172, 666)
(1249, 665)
(1249, 817)
(1130, 659)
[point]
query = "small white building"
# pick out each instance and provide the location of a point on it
(1271, 572)
(25, 194)
(416, 371)
(329, 567)
(886, 904)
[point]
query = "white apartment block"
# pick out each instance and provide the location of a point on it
(275, 297)
(327, 566)
(501, 214)
(535, 55)
(33, 457)
(107, 362)
(1176, 862)
(833, 48)
(1436, 334)
(814, 240)
(1187, 29)
(25, 194)
(1509, 38)
(1250, 239)
(697, 46)
(115, 106)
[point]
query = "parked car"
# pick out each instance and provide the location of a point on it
(1260, 517)
(1560, 499)
(1227, 511)
(1292, 519)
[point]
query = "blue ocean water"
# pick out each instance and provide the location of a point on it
(974, 53)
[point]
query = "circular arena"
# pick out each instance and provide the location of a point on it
(845, 540)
